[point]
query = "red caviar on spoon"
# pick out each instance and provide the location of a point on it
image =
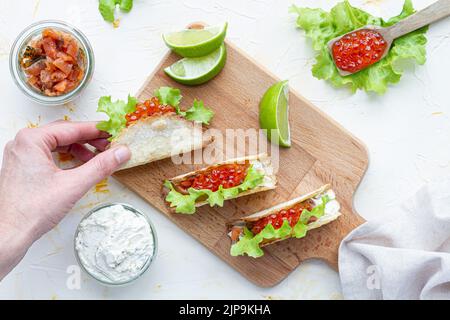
(358, 50)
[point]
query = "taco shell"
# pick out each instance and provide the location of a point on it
(160, 137)
(260, 161)
(329, 215)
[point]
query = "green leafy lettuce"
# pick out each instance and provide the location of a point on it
(116, 111)
(107, 8)
(185, 203)
(198, 112)
(321, 26)
(170, 96)
(250, 244)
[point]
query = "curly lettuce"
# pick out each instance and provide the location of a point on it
(198, 112)
(117, 110)
(185, 203)
(108, 7)
(170, 96)
(322, 26)
(249, 243)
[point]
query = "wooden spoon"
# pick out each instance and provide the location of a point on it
(437, 11)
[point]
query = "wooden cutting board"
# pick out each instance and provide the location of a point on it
(322, 152)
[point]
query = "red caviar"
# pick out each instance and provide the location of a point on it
(292, 215)
(358, 50)
(226, 175)
(147, 109)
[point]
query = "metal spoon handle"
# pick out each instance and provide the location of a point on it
(438, 10)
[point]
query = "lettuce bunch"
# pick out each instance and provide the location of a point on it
(321, 27)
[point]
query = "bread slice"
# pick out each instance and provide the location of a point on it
(160, 137)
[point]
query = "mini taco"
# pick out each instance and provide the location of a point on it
(291, 219)
(219, 182)
(156, 128)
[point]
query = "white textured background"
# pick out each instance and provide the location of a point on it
(407, 132)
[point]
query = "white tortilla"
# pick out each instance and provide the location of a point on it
(267, 212)
(160, 137)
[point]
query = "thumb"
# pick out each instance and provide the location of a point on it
(101, 166)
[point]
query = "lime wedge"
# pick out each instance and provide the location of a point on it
(194, 43)
(194, 71)
(274, 114)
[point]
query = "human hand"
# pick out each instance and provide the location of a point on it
(35, 194)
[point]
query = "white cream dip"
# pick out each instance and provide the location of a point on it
(114, 244)
(332, 206)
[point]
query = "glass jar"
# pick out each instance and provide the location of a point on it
(19, 76)
(147, 264)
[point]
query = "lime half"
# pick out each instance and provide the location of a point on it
(194, 43)
(274, 114)
(194, 71)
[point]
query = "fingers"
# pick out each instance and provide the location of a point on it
(98, 168)
(65, 133)
(81, 152)
(99, 144)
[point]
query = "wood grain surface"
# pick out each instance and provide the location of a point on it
(322, 152)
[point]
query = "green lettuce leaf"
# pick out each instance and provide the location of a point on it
(199, 113)
(316, 212)
(185, 203)
(116, 111)
(321, 26)
(166, 95)
(249, 243)
(107, 8)
(169, 96)
(125, 5)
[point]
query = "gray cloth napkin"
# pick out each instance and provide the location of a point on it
(405, 256)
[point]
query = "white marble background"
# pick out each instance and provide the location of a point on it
(407, 132)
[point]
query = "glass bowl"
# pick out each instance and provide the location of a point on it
(146, 265)
(19, 76)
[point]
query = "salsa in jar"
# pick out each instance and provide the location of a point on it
(53, 62)
(358, 50)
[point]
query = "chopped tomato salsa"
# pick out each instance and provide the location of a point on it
(147, 109)
(358, 50)
(53, 63)
(292, 215)
(225, 175)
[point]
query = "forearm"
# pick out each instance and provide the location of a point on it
(15, 240)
